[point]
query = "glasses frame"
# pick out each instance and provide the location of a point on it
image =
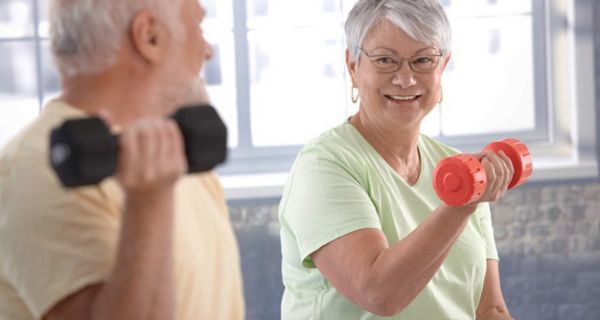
(399, 60)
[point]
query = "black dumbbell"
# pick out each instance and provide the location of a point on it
(84, 152)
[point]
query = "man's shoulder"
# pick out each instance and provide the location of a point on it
(31, 143)
(26, 147)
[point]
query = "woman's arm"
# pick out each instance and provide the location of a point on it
(384, 279)
(492, 305)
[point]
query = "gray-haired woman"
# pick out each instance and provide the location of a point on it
(363, 233)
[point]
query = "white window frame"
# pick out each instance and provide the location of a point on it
(563, 144)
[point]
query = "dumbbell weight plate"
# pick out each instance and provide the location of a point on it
(459, 179)
(82, 151)
(519, 155)
(205, 137)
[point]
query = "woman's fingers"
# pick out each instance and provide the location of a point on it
(499, 172)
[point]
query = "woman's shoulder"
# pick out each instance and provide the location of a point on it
(339, 146)
(338, 139)
(435, 148)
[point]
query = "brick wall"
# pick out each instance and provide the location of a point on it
(549, 243)
(548, 238)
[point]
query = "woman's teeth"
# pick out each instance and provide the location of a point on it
(402, 97)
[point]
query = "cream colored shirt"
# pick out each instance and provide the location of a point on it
(54, 242)
(340, 184)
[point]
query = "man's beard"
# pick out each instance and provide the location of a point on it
(198, 93)
(179, 95)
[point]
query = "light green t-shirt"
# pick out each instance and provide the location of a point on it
(340, 184)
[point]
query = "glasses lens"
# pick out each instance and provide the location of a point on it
(424, 63)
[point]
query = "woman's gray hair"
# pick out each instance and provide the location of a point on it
(423, 20)
(85, 35)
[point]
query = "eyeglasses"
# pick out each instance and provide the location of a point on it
(420, 63)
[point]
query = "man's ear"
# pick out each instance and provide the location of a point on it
(148, 35)
(351, 65)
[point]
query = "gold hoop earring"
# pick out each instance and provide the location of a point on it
(354, 98)
(441, 95)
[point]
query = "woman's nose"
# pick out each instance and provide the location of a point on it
(404, 76)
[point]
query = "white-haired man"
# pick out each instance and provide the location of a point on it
(148, 243)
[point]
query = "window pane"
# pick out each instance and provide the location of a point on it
(219, 73)
(488, 85)
(297, 84)
(50, 76)
(16, 18)
(219, 13)
(486, 7)
(43, 6)
(293, 12)
(431, 124)
(18, 89)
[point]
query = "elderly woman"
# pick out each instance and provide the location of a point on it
(363, 233)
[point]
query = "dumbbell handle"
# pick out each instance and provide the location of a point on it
(84, 152)
(461, 179)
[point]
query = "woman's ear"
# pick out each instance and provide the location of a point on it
(445, 60)
(148, 36)
(351, 65)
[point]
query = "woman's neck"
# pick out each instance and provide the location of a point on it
(397, 146)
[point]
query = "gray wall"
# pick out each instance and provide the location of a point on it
(548, 237)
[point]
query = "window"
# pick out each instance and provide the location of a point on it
(289, 67)
(27, 74)
(519, 68)
(516, 67)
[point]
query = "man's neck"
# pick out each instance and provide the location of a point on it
(114, 96)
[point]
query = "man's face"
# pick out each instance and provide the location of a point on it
(188, 52)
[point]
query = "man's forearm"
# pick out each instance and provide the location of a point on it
(141, 284)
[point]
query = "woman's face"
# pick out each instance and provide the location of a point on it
(402, 97)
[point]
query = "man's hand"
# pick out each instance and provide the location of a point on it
(151, 157)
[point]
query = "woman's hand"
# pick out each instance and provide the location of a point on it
(499, 172)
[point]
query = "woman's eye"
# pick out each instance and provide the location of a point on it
(385, 60)
(422, 60)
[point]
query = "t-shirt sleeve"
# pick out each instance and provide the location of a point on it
(323, 201)
(58, 241)
(487, 231)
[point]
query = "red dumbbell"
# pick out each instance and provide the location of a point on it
(460, 179)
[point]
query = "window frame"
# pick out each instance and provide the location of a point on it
(569, 152)
(36, 39)
(568, 144)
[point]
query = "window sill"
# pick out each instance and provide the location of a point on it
(270, 185)
(254, 186)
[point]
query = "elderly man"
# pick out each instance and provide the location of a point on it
(148, 243)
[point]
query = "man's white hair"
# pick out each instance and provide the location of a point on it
(86, 35)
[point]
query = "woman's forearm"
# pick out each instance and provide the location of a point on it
(404, 269)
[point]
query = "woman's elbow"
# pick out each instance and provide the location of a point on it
(385, 304)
